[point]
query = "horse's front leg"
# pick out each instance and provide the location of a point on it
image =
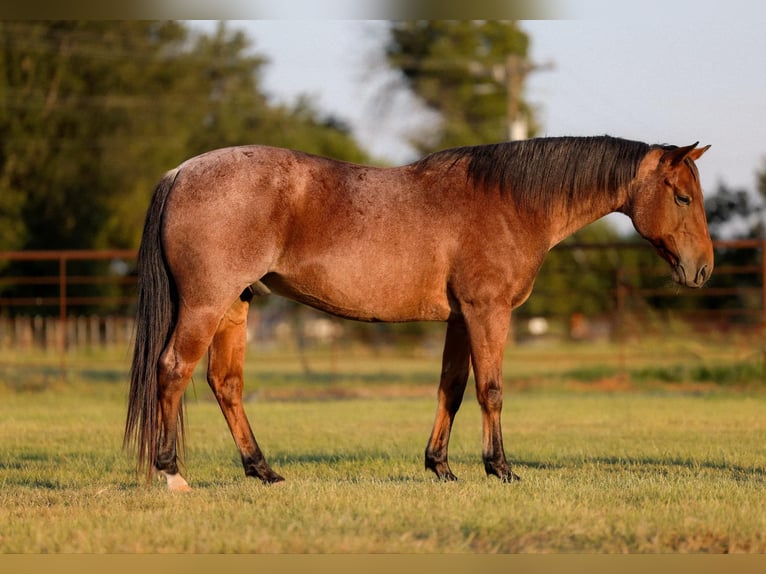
(456, 363)
(487, 330)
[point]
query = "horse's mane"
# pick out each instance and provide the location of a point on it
(542, 172)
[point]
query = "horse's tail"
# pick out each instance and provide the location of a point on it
(155, 319)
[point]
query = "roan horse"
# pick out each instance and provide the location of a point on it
(458, 236)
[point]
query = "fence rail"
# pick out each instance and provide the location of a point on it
(43, 327)
(64, 317)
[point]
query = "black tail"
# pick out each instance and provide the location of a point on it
(155, 319)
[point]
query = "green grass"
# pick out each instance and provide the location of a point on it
(642, 471)
(645, 448)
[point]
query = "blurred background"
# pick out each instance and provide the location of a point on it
(93, 113)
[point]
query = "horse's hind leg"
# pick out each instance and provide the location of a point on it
(225, 377)
(191, 337)
(455, 366)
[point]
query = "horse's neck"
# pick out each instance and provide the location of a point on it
(567, 221)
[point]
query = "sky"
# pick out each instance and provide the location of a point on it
(665, 72)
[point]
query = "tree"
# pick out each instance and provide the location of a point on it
(737, 214)
(761, 189)
(459, 70)
(70, 97)
(733, 212)
(93, 113)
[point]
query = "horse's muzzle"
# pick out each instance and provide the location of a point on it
(692, 275)
(687, 271)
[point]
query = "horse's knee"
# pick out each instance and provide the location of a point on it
(490, 395)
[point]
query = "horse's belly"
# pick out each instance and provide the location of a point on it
(364, 298)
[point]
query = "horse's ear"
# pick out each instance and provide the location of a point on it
(677, 155)
(695, 154)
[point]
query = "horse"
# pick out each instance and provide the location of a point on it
(457, 236)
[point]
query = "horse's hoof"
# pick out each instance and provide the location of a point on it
(511, 477)
(440, 469)
(273, 479)
(265, 475)
(504, 473)
(176, 482)
(447, 477)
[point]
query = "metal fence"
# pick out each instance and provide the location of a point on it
(734, 298)
(60, 302)
(55, 307)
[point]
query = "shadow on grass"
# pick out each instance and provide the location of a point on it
(363, 459)
(735, 472)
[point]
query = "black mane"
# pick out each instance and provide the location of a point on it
(545, 171)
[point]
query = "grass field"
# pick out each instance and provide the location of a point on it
(640, 451)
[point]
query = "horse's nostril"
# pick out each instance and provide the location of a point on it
(702, 275)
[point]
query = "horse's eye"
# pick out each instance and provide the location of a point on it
(683, 199)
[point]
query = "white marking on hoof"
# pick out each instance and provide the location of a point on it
(176, 482)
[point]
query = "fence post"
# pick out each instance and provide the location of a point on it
(762, 326)
(62, 313)
(763, 284)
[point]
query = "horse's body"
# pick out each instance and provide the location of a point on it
(458, 237)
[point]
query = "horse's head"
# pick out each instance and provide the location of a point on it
(667, 209)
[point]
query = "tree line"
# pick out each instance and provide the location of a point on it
(92, 114)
